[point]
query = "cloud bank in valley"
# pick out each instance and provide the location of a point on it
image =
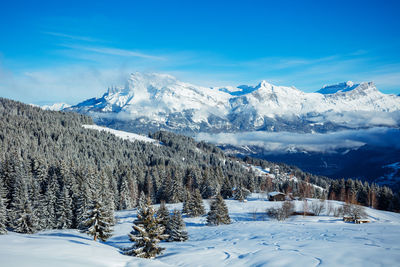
(327, 142)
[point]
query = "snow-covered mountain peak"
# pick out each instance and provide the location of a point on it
(346, 88)
(265, 84)
(56, 106)
(337, 88)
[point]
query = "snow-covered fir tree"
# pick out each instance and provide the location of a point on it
(241, 193)
(22, 216)
(218, 213)
(147, 233)
(99, 221)
(64, 210)
(196, 206)
(176, 228)
(49, 201)
(142, 200)
(174, 188)
(186, 201)
(26, 222)
(163, 214)
(83, 203)
(3, 228)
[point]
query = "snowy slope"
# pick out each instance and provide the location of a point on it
(121, 134)
(160, 100)
(251, 240)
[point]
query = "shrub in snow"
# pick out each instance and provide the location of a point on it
(356, 212)
(283, 212)
(98, 221)
(338, 212)
(176, 228)
(147, 233)
(317, 207)
(218, 213)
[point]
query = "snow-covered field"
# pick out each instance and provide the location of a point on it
(251, 240)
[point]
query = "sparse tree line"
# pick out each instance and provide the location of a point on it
(285, 209)
(54, 174)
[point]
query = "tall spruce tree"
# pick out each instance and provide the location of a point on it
(196, 206)
(98, 221)
(186, 202)
(64, 210)
(147, 233)
(218, 213)
(22, 217)
(176, 228)
(163, 214)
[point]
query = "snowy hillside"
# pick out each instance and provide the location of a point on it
(160, 100)
(251, 240)
(121, 134)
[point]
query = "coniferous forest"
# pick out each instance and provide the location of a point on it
(54, 173)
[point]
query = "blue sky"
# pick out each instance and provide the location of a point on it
(52, 51)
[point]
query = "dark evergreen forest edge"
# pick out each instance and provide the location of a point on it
(52, 171)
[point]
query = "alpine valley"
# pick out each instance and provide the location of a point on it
(326, 132)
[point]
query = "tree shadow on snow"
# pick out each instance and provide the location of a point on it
(78, 242)
(65, 235)
(193, 224)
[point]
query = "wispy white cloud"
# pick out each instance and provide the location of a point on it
(72, 37)
(115, 52)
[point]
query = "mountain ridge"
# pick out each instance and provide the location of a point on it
(152, 101)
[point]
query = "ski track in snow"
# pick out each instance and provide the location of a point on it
(299, 241)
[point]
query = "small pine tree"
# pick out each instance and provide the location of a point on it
(142, 200)
(218, 213)
(185, 207)
(241, 193)
(3, 229)
(98, 221)
(176, 228)
(163, 214)
(196, 207)
(147, 233)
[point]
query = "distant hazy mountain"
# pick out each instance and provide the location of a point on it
(56, 106)
(151, 101)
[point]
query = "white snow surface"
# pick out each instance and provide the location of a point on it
(122, 134)
(251, 240)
